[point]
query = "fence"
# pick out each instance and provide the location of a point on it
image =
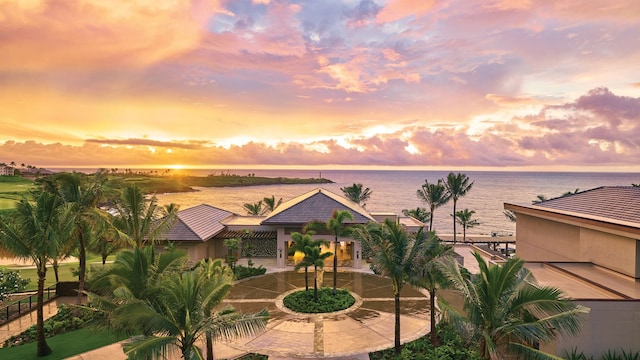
(24, 304)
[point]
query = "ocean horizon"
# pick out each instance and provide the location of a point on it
(395, 190)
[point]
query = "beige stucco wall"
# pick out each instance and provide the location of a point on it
(543, 240)
(611, 325)
(546, 240)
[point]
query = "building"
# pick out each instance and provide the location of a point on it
(7, 170)
(588, 245)
(202, 229)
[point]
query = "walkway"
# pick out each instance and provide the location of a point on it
(348, 335)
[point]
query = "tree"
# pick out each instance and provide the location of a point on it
(463, 217)
(315, 257)
(254, 209)
(300, 244)
(335, 225)
(419, 213)
(141, 219)
(434, 195)
(171, 307)
(510, 215)
(356, 194)
(11, 282)
(395, 253)
(507, 312)
(271, 204)
(457, 185)
(82, 198)
(428, 275)
(38, 232)
(232, 246)
(539, 198)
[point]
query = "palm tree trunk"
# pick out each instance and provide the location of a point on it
(55, 269)
(335, 265)
(209, 346)
(432, 305)
(42, 348)
(82, 267)
(464, 233)
(306, 278)
(397, 346)
(431, 219)
(315, 283)
(454, 221)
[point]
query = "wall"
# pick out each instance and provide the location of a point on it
(611, 325)
(611, 251)
(543, 240)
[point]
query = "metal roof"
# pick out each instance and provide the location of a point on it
(198, 223)
(618, 203)
(315, 205)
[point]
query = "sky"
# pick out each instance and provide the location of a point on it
(433, 84)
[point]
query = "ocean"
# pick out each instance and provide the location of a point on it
(395, 190)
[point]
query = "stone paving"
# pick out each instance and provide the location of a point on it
(367, 326)
(346, 335)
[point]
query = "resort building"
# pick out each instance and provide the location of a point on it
(588, 245)
(202, 229)
(7, 170)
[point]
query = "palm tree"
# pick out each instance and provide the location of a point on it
(181, 314)
(335, 225)
(539, 198)
(428, 275)
(300, 243)
(507, 312)
(83, 198)
(463, 217)
(435, 195)
(254, 209)
(419, 213)
(457, 185)
(271, 204)
(141, 219)
(356, 194)
(510, 215)
(395, 254)
(315, 257)
(232, 246)
(38, 232)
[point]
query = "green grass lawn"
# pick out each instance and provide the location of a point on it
(12, 189)
(63, 346)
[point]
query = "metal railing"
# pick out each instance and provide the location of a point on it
(23, 304)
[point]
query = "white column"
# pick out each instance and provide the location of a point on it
(281, 251)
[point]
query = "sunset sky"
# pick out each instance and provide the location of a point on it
(453, 84)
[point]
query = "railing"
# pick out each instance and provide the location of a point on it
(24, 304)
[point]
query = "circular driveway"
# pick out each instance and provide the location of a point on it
(367, 326)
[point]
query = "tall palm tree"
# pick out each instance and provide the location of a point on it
(464, 218)
(270, 204)
(356, 194)
(419, 213)
(142, 219)
(434, 195)
(335, 225)
(38, 232)
(395, 253)
(254, 209)
(181, 314)
(507, 312)
(457, 185)
(83, 198)
(510, 215)
(301, 243)
(539, 198)
(428, 275)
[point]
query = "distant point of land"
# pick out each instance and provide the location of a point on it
(183, 183)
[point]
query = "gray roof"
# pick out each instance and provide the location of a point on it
(619, 203)
(316, 205)
(198, 223)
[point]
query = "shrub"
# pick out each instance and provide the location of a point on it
(241, 271)
(303, 301)
(11, 282)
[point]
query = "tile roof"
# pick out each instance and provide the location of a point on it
(618, 203)
(198, 223)
(315, 205)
